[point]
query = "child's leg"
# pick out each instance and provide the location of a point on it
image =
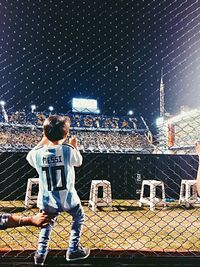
(77, 214)
(44, 236)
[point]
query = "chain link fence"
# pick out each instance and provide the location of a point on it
(140, 61)
(127, 225)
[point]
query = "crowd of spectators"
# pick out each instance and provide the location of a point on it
(77, 120)
(104, 134)
(18, 137)
(118, 142)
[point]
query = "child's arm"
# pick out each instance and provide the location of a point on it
(198, 172)
(76, 159)
(38, 220)
(74, 142)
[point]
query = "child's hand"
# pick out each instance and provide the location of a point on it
(73, 142)
(40, 219)
(198, 147)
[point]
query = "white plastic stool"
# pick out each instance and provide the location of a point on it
(152, 200)
(188, 193)
(31, 200)
(94, 200)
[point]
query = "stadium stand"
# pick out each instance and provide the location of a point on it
(96, 134)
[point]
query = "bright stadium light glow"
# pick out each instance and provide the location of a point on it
(51, 108)
(33, 107)
(2, 103)
(185, 115)
(5, 115)
(130, 112)
(85, 105)
(159, 121)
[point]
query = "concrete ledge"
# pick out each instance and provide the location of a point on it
(104, 258)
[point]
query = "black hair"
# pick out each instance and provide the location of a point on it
(56, 127)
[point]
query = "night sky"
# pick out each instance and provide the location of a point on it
(53, 50)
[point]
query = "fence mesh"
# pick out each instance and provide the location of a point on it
(140, 61)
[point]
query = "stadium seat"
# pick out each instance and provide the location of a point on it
(96, 201)
(31, 200)
(188, 193)
(152, 200)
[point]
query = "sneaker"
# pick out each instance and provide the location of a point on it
(80, 253)
(39, 259)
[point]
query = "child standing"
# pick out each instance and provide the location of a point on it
(54, 162)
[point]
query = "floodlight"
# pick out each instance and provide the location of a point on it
(159, 121)
(33, 107)
(2, 103)
(51, 108)
(130, 112)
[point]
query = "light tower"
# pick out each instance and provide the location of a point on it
(5, 115)
(162, 100)
(50, 108)
(33, 108)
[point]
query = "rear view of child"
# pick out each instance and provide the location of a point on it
(54, 162)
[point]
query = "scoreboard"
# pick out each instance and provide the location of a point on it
(84, 105)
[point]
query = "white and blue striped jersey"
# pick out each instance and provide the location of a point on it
(55, 166)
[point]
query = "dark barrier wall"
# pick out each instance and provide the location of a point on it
(124, 171)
